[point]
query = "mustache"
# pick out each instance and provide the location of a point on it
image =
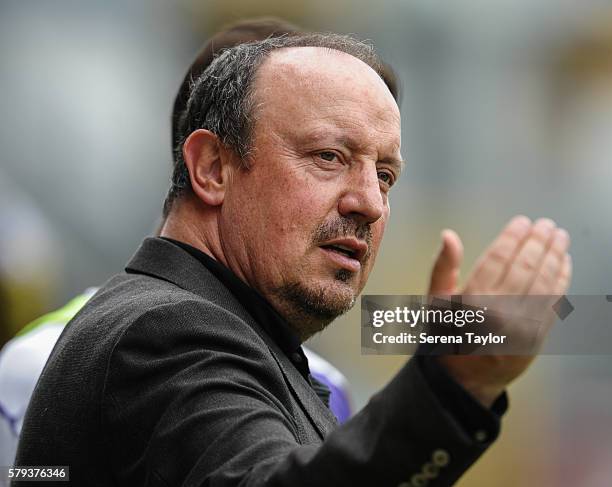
(340, 227)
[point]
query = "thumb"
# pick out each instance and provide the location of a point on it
(445, 274)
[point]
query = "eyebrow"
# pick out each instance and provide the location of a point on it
(399, 164)
(355, 145)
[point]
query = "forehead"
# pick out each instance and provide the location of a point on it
(319, 91)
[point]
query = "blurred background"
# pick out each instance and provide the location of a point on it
(507, 108)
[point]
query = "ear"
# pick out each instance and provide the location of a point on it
(208, 166)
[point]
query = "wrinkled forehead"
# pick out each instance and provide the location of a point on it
(310, 84)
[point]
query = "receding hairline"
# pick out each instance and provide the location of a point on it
(273, 57)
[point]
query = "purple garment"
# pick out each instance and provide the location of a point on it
(323, 371)
(339, 401)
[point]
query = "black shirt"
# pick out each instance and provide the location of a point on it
(473, 416)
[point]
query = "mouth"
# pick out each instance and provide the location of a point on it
(348, 253)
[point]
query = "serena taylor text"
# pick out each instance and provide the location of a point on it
(424, 337)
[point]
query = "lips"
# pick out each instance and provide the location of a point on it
(347, 252)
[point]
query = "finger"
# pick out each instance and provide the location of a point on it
(545, 282)
(523, 269)
(445, 274)
(565, 276)
(493, 263)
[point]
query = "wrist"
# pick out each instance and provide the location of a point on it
(463, 372)
(485, 396)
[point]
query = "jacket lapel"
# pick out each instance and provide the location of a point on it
(163, 260)
(319, 414)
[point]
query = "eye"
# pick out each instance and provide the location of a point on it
(386, 177)
(328, 155)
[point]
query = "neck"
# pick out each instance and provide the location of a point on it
(191, 222)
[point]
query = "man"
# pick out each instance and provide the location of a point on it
(23, 358)
(187, 368)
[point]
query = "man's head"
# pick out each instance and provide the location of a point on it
(289, 147)
(240, 32)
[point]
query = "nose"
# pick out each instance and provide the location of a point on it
(363, 199)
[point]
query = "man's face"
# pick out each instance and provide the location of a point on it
(303, 225)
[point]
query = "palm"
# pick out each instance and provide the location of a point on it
(525, 259)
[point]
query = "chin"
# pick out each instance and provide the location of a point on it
(320, 301)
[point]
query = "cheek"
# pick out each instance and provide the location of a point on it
(283, 213)
(293, 220)
(296, 205)
(378, 230)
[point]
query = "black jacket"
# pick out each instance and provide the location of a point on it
(163, 379)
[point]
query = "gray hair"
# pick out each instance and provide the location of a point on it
(221, 99)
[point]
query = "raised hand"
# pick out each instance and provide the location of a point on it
(525, 259)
